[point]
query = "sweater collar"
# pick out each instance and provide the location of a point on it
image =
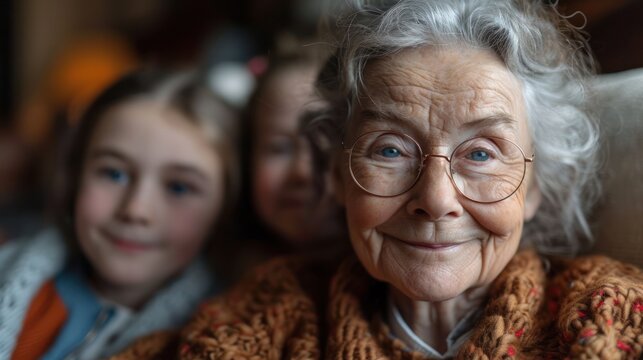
(356, 305)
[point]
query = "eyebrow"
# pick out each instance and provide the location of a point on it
(189, 169)
(495, 120)
(384, 115)
(108, 152)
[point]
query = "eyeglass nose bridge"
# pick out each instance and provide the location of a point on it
(425, 156)
(423, 165)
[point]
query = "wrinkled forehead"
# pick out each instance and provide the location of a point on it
(446, 88)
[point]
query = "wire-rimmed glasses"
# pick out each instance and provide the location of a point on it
(483, 169)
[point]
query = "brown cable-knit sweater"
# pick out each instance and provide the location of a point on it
(588, 308)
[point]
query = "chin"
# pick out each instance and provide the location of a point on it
(122, 276)
(433, 286)
(126, 279)
(432, 293)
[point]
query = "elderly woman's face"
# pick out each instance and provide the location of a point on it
(432, 243)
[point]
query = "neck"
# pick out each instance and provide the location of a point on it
(433, 321)
(132, 297)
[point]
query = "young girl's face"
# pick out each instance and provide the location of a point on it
(151, 188)
(283, 189)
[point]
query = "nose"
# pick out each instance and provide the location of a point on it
(434, 196)
(137, 205)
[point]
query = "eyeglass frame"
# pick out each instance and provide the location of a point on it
(423, 158)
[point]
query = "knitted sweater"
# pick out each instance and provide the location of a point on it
(586, 308)
(27, 264)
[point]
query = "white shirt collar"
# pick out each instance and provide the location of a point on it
(401, 330)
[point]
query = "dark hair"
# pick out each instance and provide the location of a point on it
(182, 91)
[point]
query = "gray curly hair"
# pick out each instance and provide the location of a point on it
(538, 45)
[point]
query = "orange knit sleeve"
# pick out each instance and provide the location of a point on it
(45, 318)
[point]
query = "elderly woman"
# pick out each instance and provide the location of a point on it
(464, 160)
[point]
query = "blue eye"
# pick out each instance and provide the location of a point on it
(115, 175)
(179, 188)
(390, 152)
(479, 155)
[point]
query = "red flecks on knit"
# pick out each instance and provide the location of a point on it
(638, 306)
(533, 291)
(623, 346)
(600, 293)
(587, 333)
(600, 303)
(511, 351)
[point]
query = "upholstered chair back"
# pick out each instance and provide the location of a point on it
(618, 218)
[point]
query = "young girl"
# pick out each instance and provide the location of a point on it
(151, 175)
(289, 212)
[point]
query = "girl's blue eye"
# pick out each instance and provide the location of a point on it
(179, 188)
(115, 175)
(479, 155)
(390, 152)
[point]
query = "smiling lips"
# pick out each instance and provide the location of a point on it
(131, 246)
(430, 246)
(128, 245)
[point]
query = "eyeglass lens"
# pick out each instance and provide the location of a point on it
(483, 169)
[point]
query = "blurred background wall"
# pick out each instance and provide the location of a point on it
(35, 34)
(38, 36)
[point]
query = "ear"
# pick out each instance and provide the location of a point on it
(532, 200)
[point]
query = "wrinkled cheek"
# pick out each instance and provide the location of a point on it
(504, 222)
(501, 219)
(365, 214)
